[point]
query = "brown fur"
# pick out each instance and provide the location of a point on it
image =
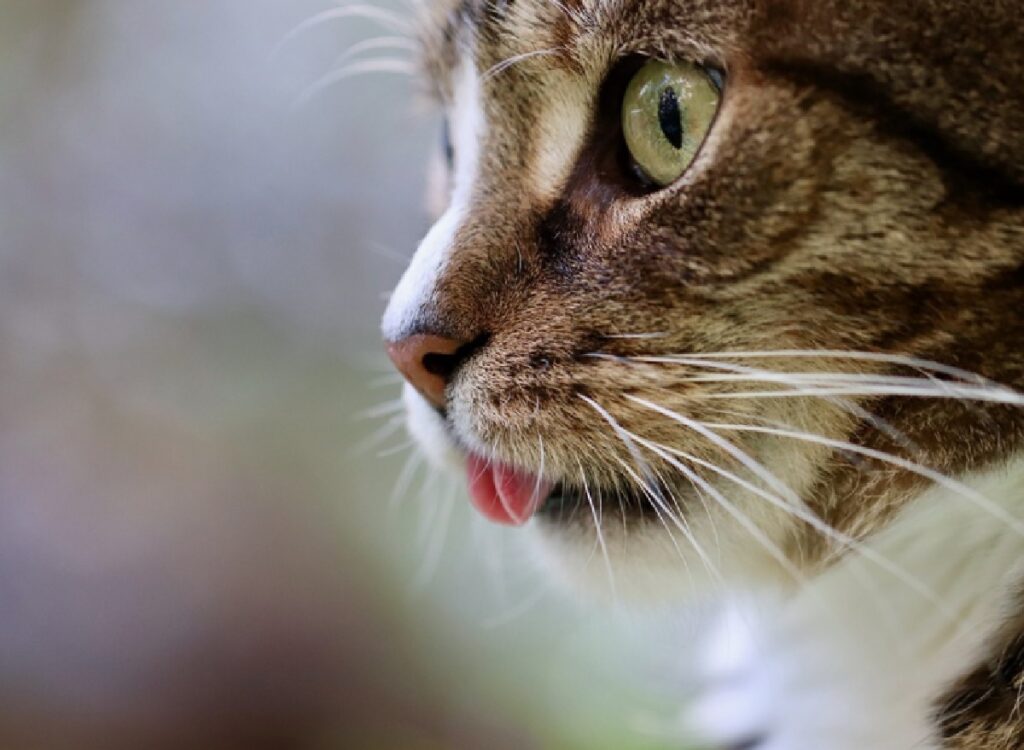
(863, 189)
(983, 712)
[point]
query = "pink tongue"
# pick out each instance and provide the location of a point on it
(503, 494)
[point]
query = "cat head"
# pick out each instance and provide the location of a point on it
(713, 277)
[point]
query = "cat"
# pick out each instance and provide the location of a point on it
(733, 292)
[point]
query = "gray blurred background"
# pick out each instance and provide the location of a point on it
(201, 539)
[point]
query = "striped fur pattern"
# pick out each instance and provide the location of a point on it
(791, 370)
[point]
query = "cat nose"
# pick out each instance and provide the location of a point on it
(427, 362)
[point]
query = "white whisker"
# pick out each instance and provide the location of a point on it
(432, 557)
(385, 409)
(802, 514)
(377, 437)
(598, 531)
(749, 526)
(923, 471)
(395, 450)
(842, 403)
(385, 381)
(386, 252)
(754, 466)
(404, 480)
(372, 65)
(880, 357)
(997, 396)
(366, 11)
(376, 43)
(426, 500)
(657, 501)
(833, 384)
(507, 63)
(658, 504)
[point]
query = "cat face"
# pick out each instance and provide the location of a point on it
(728, 357)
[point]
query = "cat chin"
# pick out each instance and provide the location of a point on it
(639, 562)
(644, 564)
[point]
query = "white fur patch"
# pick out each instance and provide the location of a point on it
(858, 658)
(415, 289)
(428, 430)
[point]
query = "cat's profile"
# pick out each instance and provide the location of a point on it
(734, 290)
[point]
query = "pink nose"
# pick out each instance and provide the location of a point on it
(427, 362)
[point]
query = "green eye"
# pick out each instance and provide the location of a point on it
(667, 112)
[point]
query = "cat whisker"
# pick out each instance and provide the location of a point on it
(386, 252)
(883, 426)
(923, 471)
(405, 478)
(970, 382)
(1008, 398)
(385, 381)
(439, 534)
(429, 507)
(748, 525)
(376, 43)
(680, 519)
(599, 533)
(361, 67)
(865, 416)
(385, 409)
(540, 470)
(795, 506)
(377, 437)
(508, 62)
(820, 379)
(935, 387)
(801, 513)
(363, 10)
(644, 485)
(657, 502)
(844, 404)
(488, 546)
(744, 458)
(394, 451)
(832, 384)
(859, 356)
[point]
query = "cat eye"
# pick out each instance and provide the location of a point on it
(667, 111)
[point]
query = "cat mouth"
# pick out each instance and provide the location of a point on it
(512, 497)
(503, 493)
(567, 503)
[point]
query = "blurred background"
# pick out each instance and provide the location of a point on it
(212, 532)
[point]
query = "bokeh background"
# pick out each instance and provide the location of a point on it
(211, 533)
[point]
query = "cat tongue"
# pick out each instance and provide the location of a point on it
(503, 494)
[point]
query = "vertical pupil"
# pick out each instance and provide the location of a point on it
(670, 118)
